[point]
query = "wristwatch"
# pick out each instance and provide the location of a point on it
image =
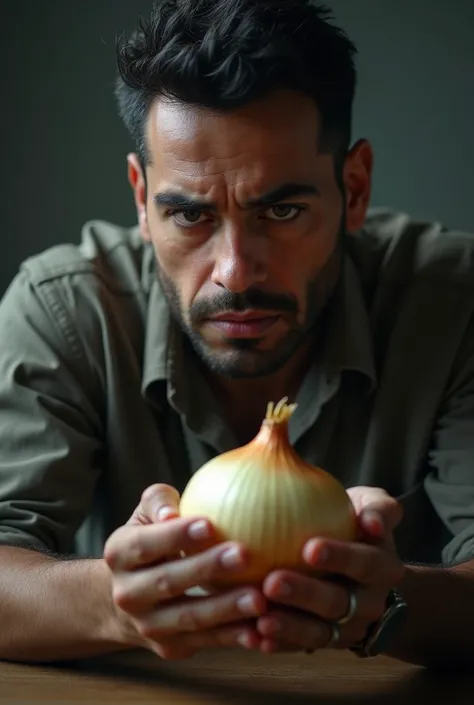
(380, 633)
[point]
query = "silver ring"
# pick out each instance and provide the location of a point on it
(351, 610)
(335, 635)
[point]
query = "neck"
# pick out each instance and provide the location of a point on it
(244, 401)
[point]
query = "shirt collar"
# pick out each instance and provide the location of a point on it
(158, 336)
(157, 327)
(347, 339)
(349, 343)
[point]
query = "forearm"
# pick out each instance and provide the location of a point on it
(55, 610)
(439, 628)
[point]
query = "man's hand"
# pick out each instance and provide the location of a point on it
(150, 579)
(304, 608)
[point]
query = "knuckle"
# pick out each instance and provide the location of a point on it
(205, 569)
(111, 553)
(151, 492)
(164, 588)
(159, 493)
(147, 630)
(137, 550)
(206, 565)
(189, 620)
(122, 598)
(126, 549)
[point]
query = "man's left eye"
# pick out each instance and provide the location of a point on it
(283, 212)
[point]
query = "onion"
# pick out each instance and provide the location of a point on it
(267, 497)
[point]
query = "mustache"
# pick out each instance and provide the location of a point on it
(227, 302)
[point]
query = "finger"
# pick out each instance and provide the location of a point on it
(328, 600)
(158, 503)
(137, 591)
(362, 563)
(304, 632)
(378, 512)
(242, 634)
(299, 631)
(132, 547)
(371, 527)
(192, 615)
(170, 652)
(363, 495)
(275, 646)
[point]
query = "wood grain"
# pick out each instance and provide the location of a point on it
(232, 678)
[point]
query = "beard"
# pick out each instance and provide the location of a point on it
(244, 358)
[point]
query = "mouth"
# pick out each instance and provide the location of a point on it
(248, 324)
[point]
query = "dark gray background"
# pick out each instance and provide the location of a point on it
(63, 160)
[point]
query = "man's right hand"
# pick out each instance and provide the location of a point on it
(150, 579)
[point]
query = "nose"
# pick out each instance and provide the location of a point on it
(239, 259)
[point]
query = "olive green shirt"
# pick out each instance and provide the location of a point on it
(100, 396)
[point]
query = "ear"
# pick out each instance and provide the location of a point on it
(137, 181)
(357, 177)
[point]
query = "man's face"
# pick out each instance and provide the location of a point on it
(245, 218)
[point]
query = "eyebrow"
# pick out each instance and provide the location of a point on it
(175, 199)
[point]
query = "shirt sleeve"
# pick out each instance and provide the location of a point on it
(50, 430)
(450, 483)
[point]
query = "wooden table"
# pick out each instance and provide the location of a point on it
(233, 678)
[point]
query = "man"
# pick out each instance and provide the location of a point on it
(255, 273)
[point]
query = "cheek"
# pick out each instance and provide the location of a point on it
(305, 260)
(187, 268)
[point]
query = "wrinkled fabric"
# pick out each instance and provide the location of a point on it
(100, 396)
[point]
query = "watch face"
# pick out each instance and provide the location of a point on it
(389, 627)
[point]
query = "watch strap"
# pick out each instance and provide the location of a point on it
(380, 633)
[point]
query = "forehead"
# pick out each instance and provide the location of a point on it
(267, 142)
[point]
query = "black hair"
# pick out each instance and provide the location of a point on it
(224, 54)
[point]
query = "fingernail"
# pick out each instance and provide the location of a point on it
(246, 604)
(322, 556)
(316, 553)
(284, 589)
(166, 512)
(232, 558)
(373, 522)
(199, 530)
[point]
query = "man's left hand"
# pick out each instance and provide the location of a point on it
(306, 610)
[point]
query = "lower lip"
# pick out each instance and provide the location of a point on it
(254, 328)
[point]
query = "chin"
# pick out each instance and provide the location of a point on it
(244, 359)
(240, 364)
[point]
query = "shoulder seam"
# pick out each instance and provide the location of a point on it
(49, 293)
(40, 275)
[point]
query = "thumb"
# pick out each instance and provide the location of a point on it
(158, 503)
(377, 511)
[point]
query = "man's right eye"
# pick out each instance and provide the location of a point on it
(188, 218)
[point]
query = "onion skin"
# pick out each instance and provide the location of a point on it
(267, 497)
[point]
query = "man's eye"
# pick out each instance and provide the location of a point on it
(283, 212)
(186, 219)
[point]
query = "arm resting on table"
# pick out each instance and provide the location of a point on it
(439, 629)
(56, 610)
